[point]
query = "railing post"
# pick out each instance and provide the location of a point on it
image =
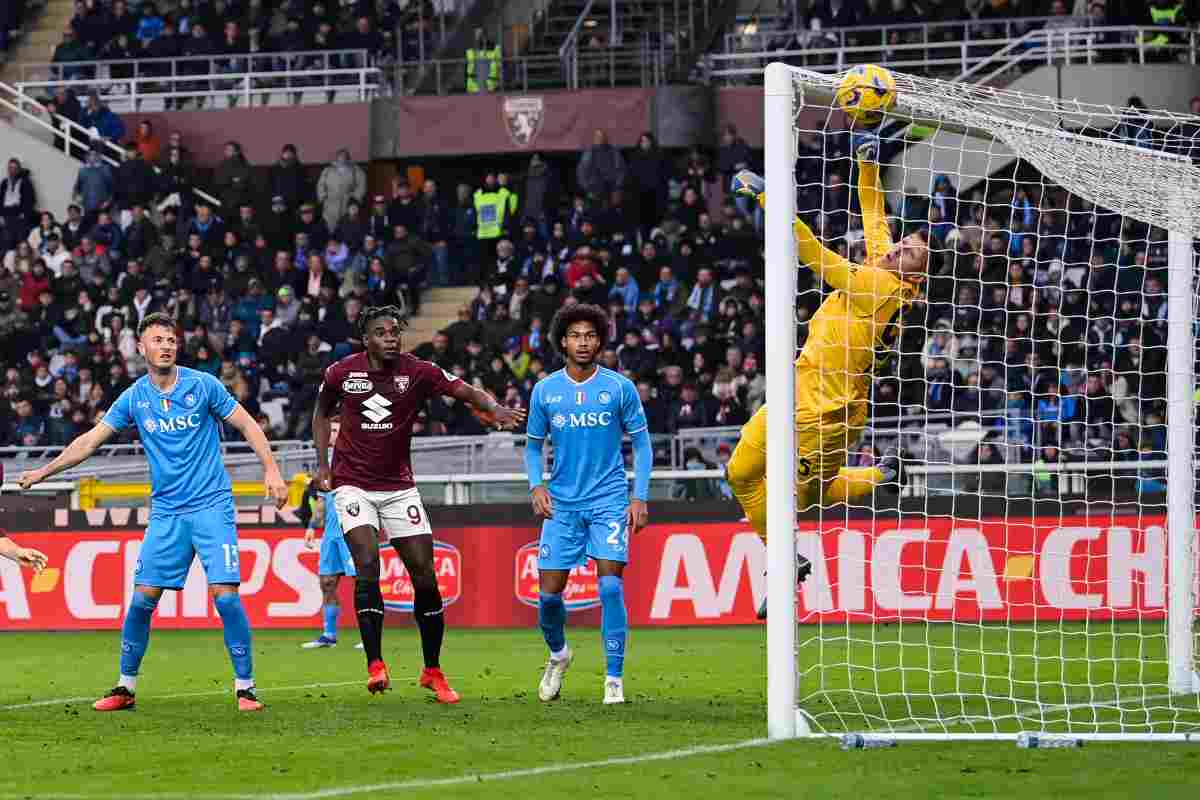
(246, 90)
(133, 91)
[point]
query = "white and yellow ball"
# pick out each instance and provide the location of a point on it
(866, 93)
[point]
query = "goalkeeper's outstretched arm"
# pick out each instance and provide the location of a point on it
(828, 265)
(876, 232)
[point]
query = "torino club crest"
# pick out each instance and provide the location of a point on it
(523, 118)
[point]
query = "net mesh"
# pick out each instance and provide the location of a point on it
(1020, 581)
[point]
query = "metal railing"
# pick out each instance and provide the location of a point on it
(568, 53)
(966, 57)
(129, 94)
(33, 72)
(74, 137)
(638, 66)
(980, 31)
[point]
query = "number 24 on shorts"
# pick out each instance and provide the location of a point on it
(618, 538)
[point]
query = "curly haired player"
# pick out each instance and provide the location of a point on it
(853, 334)
(380, 392)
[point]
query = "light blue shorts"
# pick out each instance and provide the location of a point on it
(570, 538)
(335, 556)
(173, 540)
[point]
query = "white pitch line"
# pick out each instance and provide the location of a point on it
(423, 783)
(178, 695)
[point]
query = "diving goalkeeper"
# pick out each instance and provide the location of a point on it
(853, 333)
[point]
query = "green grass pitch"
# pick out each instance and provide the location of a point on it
(323, 736)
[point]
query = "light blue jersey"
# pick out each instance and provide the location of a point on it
(586, 422)
(181, 432)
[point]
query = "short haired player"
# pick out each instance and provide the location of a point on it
(334, 560)
(178, 414)
(585, 410)
(853, 333)
(380, 393)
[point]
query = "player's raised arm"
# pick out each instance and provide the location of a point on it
(25, 556)
(828, 265)
(253, 433)
(875, 228)
(80, 449)
(633, 420)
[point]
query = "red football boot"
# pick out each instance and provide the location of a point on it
(118, 699)
(248, 701)
(433, 679)
(379, 680)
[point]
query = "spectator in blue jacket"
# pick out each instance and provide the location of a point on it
(95, 186)
(100, 119)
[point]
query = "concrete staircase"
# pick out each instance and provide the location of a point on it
(439, 307)
(42, 35)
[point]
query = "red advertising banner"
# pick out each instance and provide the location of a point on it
(1075, 568)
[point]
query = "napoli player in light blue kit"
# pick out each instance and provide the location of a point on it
(178, 413)
(585, 411)
(335, 559)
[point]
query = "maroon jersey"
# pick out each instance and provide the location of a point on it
(378, 408)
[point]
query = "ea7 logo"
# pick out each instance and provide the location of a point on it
(357, 386)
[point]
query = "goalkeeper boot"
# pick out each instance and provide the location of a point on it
(747, 184)
(803, 569)
(118, 699)
(378, 681)
(892, 467)
(433, 680)
(247, 700)
(552, 677)
(614, 691)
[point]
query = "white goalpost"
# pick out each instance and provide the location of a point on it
(1038, 571)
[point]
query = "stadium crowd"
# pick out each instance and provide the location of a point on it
(1042, 321)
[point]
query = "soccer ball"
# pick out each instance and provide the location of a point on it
(866, 93)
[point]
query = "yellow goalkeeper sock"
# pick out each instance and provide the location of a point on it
(747, 476)
(852, 482)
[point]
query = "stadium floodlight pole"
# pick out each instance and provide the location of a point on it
(1182, 677)
(783, 718)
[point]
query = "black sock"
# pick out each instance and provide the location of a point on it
(368, 602)
(427, 608)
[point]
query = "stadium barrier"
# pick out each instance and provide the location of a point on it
(701, 567)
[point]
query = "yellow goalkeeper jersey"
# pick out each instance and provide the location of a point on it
(855, 330)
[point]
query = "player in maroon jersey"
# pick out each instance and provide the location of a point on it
(380, 392)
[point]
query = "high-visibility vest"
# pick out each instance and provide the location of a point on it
(490, 210)
(510, 199)
(493, 78)
(1162, 16)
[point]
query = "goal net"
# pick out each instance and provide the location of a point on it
(1035, 570)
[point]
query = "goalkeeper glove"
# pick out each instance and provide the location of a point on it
(747, 184)
(865, 146)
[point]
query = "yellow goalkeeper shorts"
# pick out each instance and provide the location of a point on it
(822, 444)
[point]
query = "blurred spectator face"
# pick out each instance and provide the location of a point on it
(733, 357)
(14, 168)
(750, 365)
(315, 262)
(623, 276)
(441, 342)
(704, 277)
(609, 359)
(282, 262)
(521, 286)
(705, 222)
(377, 267)
(400, 232)
(690, 198)
(284, 296)
(560, 231)
(489, 180)
(673, 375)
(599, 137)
(302, 239)
(632, 339)
(429, 188)
(504, 249)
(267, 315)
(203, 212)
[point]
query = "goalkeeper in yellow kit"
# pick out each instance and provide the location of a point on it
(853, 332)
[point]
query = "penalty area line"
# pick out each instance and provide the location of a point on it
(179, 695)
(426, 783)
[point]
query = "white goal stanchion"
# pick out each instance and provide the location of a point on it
(1057, 324)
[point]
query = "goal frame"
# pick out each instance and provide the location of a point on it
(784, 718)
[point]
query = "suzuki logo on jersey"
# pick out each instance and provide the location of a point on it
(172, 424)
(377, 408)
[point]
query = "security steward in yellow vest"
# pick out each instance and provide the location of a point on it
(483, 66)
(492, 208)
(1163, 13)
